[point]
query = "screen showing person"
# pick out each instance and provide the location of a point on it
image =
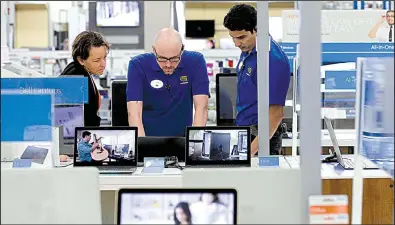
(106, 147)
(177, 208)
(217, 145)
(383, 30)
(117, 14)
(70, 117)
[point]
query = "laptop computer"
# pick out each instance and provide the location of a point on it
(161, 147)
(36, 154)
(264, 194)
(346, 163)
(177, 206)
(110, 149)
(220, 146)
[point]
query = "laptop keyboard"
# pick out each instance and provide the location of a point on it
(348, 163)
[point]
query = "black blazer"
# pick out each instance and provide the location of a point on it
(91, 109)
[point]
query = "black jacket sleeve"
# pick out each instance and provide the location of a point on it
(91, 109)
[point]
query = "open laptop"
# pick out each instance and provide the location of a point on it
(177, 206)
(68, 117)
(264, 194)
(218, 147)
(225, 98)
(161, 147)
(346, 163)
(115, 150)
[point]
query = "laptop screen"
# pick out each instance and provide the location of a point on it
(70, 117)
(161, 147)
(177, 206)
(105, 146)
(332, 135)
(226, 99)
(218, 146)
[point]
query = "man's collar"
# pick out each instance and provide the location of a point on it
(156, 67)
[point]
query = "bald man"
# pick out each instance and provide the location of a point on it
(165, 85)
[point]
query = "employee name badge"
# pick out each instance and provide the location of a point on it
(156, 84)
(328, 209)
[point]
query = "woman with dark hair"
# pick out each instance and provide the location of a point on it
(182, 214)
(89, 51)
(209, 210)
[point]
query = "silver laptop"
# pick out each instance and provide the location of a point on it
(265, 195)
(219, 146)
(346, 163)
(110, 149)
(177, 206)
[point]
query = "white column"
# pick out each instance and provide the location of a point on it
(157, 15)
(4, 30)
(263, 45)
(4, 20)
(310, 97)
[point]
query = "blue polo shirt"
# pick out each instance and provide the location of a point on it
(247, 92)
(167, 99)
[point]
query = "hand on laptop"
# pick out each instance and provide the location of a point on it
(64, 158)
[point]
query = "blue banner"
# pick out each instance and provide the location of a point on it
(67, 90)
(340, 80)
(288, 47)
(290, 50)
(26, 117)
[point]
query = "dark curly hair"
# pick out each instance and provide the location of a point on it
(241, 17)
(85, 41)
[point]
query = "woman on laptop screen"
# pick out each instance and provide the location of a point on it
(182, 214)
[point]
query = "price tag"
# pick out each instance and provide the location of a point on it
(266, 161)
(328, 209)
(21, 163)
(154, 165)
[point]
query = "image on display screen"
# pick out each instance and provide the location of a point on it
(217, 145)
(117, 14)
(70, 117)
(105, 147)
(177, 208)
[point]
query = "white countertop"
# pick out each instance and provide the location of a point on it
(172, 177)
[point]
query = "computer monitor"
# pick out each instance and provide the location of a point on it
(161, 147)
(199, 28)
(117, 14)
(264, 195)
(226, 93)
(70, 117)
(119, 110)
(115, 146)
(218, 145)
(177, 206)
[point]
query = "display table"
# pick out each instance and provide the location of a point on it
(378, 194)
(345, 138)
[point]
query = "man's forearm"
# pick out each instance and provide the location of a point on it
(200, 118)
(275, 120)
(136, 122)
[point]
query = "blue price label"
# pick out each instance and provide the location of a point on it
(22, 163)
(269, 161)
